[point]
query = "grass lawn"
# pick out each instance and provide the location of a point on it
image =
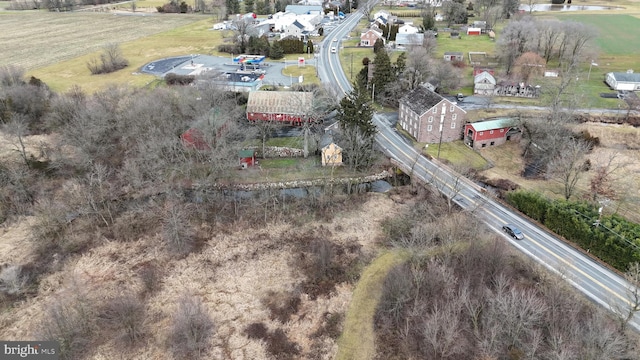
(357, 341)
(308, 73)
(457, 153)
(617, 34)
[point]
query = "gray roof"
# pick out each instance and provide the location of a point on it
(326, 140)
(453, 53)
(494, 124)
(409, 39)
(303, 9)
(626, 77)
(298, 25)
(421, 99)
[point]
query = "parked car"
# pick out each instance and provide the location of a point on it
(460, 97)
(513, 231)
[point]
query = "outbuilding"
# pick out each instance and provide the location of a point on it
(482, 134)
(628, 81)
(474, 31)
(247, 158)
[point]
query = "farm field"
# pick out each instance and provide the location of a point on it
(71, 40)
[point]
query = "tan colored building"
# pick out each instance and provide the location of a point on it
(429, 117)
(331, 153)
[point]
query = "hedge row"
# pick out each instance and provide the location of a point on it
(615, 240)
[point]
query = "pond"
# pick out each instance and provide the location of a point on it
(566, 7)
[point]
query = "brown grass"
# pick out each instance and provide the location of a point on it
(50, 39)
(231, 274)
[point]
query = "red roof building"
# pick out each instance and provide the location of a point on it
(494, 132)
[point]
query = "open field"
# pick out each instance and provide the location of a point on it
(617, 34)
(71, 40)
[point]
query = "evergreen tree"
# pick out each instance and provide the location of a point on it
(321, 31)
(379, 44)
(428, 20)
(276, 52)
(233, 7)
(358, 131)
(401, 64)
(263, 7)
(249, 6)
(382, 72)
(310, 47)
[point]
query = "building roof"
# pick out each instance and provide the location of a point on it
(298, 25)
(303, 9)
(484, 76)
(409, 39)
(246, 153)
(625, 76)
(376, 31)
(498, 123)
(279, 102)
(421, 99)
(453, 53)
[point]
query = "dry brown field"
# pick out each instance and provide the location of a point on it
(33, 40)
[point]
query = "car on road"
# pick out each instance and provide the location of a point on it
(335, 40)
(513, 231)
(333, 50)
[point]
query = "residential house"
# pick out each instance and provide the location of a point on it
(290, 107)
(370, 37)
(247, 158)
(194, 139)
(453, 56)
(429, 117)
(297, 30)
(407, 40)
(484, 84)
(628, 81)
(493, 132)
(331, 153)
(408, 29)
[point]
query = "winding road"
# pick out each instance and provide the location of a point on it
(600, 284)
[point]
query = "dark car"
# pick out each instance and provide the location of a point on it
(513, 231)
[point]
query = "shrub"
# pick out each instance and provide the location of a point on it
(110, 60)
(125, 313)
(281, 305)
(176, 79)
(191, 329)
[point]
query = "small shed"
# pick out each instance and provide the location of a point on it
(247, 158)
(453, 56)
(332, 155)
(474, 31)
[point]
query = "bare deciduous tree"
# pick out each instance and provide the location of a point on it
(191, 328)
(569, 165)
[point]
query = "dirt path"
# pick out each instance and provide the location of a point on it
(358, 337)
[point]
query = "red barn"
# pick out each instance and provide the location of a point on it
(287, 107)
(494, 132)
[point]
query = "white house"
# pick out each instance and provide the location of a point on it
(629, 80)
(408, 29)
(297, 29)
(484, 84)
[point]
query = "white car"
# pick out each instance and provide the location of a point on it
(333, 50)
(335, 40)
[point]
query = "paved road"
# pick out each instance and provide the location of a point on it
(598, 283)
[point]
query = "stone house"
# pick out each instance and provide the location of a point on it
(429, 117)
